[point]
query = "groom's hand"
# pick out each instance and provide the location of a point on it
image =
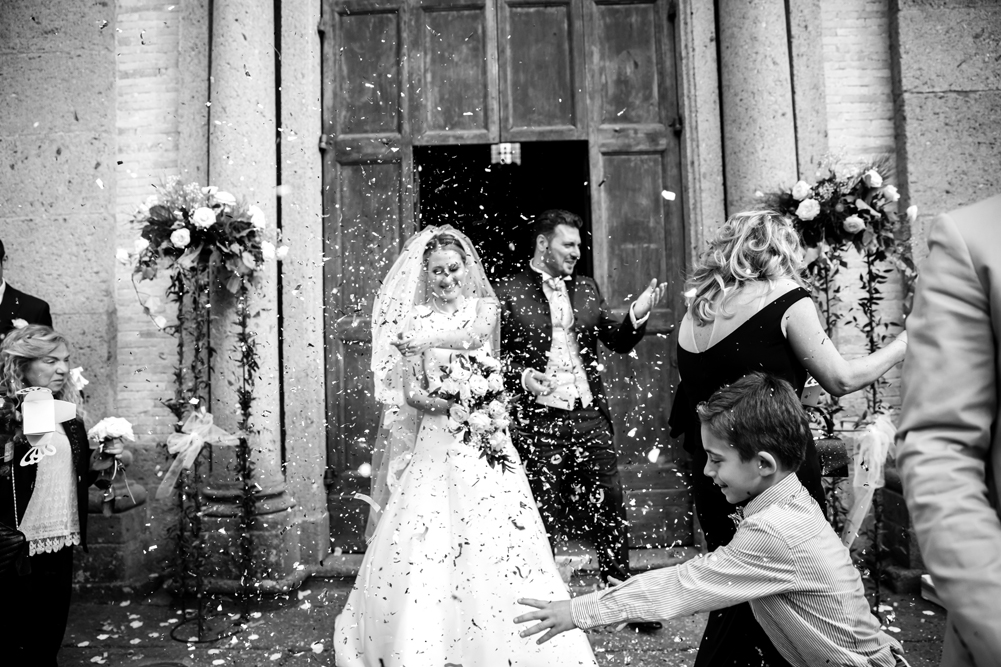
(650, 297)
(537, 383)
(552, 616)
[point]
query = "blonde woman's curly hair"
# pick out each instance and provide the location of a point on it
(750, 246)
(20, 348)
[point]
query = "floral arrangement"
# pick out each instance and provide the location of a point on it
(851, 204)
(108, 430)
(195, 227)
(473, 382)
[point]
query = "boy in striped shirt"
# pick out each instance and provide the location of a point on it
(785, 559)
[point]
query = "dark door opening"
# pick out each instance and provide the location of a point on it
(494, 204)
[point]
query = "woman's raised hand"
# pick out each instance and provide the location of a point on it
(410, 344)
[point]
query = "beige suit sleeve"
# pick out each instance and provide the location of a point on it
(947, 421)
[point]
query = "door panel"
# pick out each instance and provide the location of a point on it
(639, 235)
(454, 90)
(368, 205)
(540, 48)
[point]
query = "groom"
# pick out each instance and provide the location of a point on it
(551, 322)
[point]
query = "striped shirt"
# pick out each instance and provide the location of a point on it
(785, 560)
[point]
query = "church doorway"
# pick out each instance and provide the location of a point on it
(494, 203)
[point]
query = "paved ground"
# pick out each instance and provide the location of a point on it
(295, 631)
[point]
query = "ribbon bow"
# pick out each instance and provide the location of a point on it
(196, 431)
(41, 414)
(871, 451)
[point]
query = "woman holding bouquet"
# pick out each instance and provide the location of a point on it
(43, 492)
(459, 538)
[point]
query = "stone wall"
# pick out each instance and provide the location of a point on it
(947, 89)
(57, 181)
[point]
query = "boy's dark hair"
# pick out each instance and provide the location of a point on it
(546, 222)
(759, 413)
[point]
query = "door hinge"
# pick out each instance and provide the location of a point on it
(330, 477)
(677, 125)
(323, 142)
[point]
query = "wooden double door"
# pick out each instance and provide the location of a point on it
(404, 76)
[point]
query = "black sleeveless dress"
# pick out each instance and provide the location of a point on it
(732, 636)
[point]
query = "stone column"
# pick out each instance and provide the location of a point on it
(302, 276)
(243, 161)
(759, 125)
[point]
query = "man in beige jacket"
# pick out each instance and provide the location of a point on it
(949, 452)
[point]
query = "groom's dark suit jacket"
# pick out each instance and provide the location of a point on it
(18, 305)
(527, 330)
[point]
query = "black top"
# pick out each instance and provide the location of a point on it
(18, 305)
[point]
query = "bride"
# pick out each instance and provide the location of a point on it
(458, 541)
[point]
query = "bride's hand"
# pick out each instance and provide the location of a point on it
(554, 617)
(538, 383)
(410, 345)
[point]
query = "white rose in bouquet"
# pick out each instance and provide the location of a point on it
(122, 255)
(808, 209)
(853, 224)
(872, 178)
(268, 250)
(496, 409)
(496, 440)
(501, 423)
(460, 373)
(110, 428)
(203, 217)
(458, 413)
(449, 386)
(479, 421)
(495, 382)
(891, 194)
(224, 198)
(478, 385)
(256, 216)
(490, 363)
(801, 190)
(180, 237)
(465, 395)
(140, 245)
(281, 252)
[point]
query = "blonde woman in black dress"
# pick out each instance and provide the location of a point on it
(750, 311)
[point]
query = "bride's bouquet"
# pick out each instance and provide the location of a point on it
(480, 409)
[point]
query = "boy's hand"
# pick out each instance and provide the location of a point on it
(553, 616)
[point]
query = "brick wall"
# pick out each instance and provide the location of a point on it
(859, 91)
(155, 121)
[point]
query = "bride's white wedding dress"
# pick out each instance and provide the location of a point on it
(458, 543)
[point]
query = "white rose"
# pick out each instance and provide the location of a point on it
(853, 224)
(281, 252)
(458, 413)
(18, 323)
(495, 382)
(891, 194)
(872, 178)
(203, 217)
(912, 214)
(801, 190)
(140, 245)
(478, 385)
(256, 217)
(160, 321)
(224, 198)
(268, 250)
(122, 255)
(479, 421)
(808, 209)
(77, 379)
(496, 409)
(496, 440)
(460, 373)
(180, 237)
(502, 423)
(449, 386)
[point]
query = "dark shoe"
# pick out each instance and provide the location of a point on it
(645, 627)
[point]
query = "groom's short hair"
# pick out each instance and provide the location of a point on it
(547, 221)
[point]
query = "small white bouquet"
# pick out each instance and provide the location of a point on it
(475, 385)
(108, 430)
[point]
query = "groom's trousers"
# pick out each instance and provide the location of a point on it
(573, 470)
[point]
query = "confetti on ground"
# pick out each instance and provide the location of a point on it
(928, 612)
(136, 624)
(274, 656)
(134, 641)
(102, 637)
(125, 603)
(317, 647)
(82, 644)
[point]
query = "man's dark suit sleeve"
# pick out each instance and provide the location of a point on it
(617, 335)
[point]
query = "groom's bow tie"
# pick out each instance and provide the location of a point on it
(557, 283)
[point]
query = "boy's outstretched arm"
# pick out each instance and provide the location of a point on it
(552, 616)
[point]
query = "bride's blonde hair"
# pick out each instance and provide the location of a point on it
(750, 246)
